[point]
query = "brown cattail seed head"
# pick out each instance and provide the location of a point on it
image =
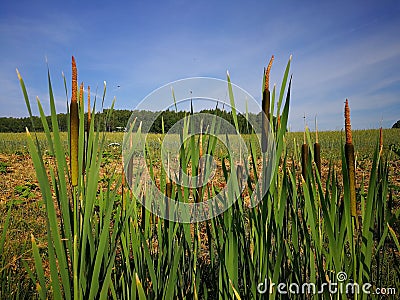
(81, 95)
(266, 105)
(350, 160)
(304, 160)
(74, 81)
(267, 72)
(74, 127)
(317, 156)
(347, 123)
(380, 139)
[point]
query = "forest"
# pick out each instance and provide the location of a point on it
(119, 119)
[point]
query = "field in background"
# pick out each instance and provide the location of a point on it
(18, 175)
(364, 141)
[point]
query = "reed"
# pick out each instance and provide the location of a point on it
(304, 155)
(266, 103)
(317, 150)
(74, 126)
(350, 160)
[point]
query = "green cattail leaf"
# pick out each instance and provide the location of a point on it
(394, 236)
(283, 85)
(42, 289)
(142, 295)
(234, 290)
(232, 102)
(27, 102)
(4, 231)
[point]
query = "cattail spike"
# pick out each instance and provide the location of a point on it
(81, 95)
(168, 171)
(350, 160)
(74, 80)
(267, 72)
(266, 106)
(201, 166)
(304, 160)
(347, 124)
(74, 126)
(317, 157)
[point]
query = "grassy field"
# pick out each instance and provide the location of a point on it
(364, 141)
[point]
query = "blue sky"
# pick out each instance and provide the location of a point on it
(341, 49)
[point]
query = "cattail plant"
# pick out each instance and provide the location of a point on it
(380, 140)
(89, 116)
(278, 122)
(86, 142)
(168, 193)
(201, 166)
(266, 105)
(81, 95)
(350, 160)
(74, 123)
(317, 149)
(304, 155)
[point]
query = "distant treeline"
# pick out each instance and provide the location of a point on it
(151, 121)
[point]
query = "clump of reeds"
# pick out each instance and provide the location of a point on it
(295, 234)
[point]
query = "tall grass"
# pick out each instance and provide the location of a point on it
(102, 244)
